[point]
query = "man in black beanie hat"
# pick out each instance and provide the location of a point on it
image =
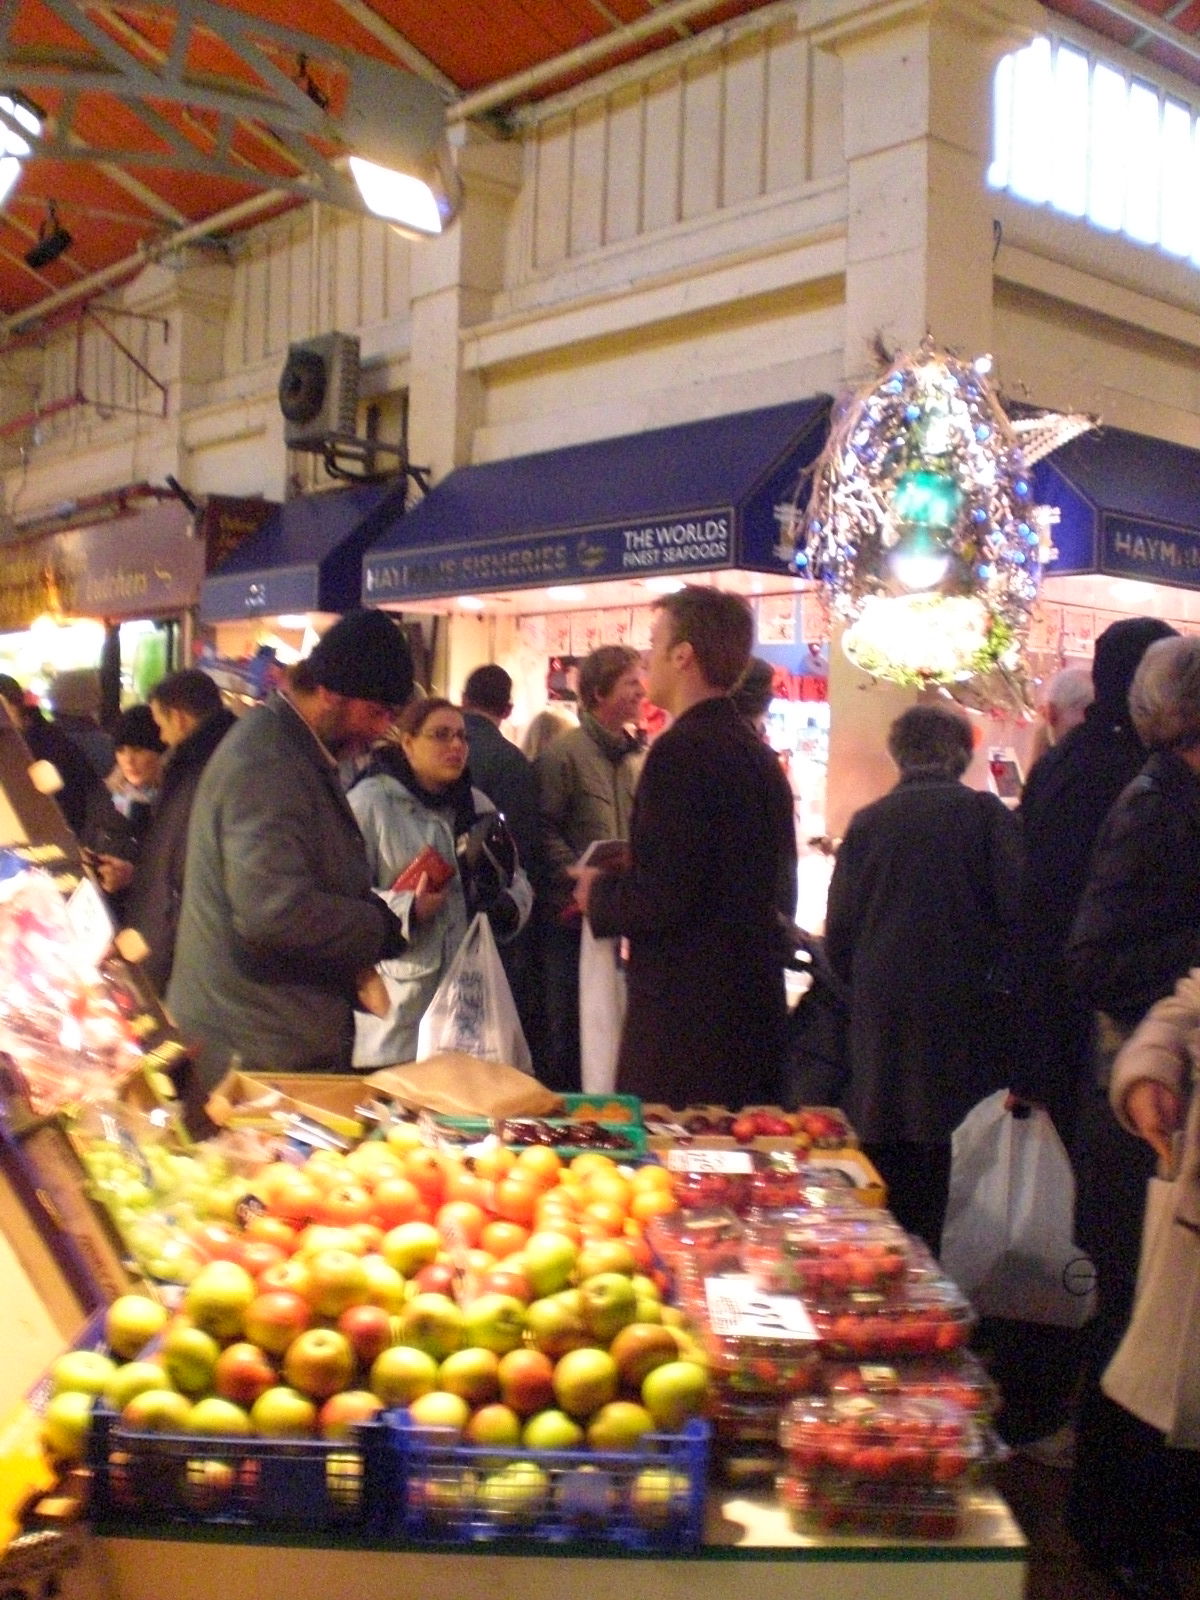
(279, 925)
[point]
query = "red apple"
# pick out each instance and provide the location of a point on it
(526, 1381)
(508, 1281)
(291, 1276)
(436, 1277)
(399, 1374)
(272, 1320)
(319, 1362)
(395, 1200)
(259, 1254)
(369, 1330)
(497, 1425)
(217, 1241)
(345, 1203)
(242, 1373)
(437, 1409)
(473, 1373)
(341, 1413)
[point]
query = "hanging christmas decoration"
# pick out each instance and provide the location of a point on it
(921, 527)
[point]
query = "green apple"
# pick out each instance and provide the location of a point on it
(156, 1411)
(385, 1286)
(284, 1413)
(410, 1245)
(337, 1280)
(218, 1417)
(433, 1323)
(674, 1392)
(548, 1260)
(400, 1373)
(135, 1377)
(494, 1322)
(584, 1380)
(551, 1430)
(494, 1425)
(66, 1422)
(131, 1322)
(609, 1304)
(473, 1373)
(604, 1255)
(518, 1493)
(554, 1324)
(658, 1497)
(81, 1372)
(619, 1425)
(217, 1297)
(190, 1358)
(438, 1409)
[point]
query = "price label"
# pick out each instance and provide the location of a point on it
(90, 922)
(710, 1161)
(738, 1309)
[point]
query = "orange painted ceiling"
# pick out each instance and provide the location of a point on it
(91, 69)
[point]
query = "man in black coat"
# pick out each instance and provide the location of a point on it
(1066, 798)
(192, 721)
(712, 865)
(505, 775)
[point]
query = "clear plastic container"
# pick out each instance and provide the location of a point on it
(826, 1258)
(929, 1318)
(757, 1344)
(882, 1510)
(708, 1240)
(960, 1378)
(848, 1440)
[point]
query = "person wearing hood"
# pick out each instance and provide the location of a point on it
(1135, 934)
(1066, 798)
(416, 796)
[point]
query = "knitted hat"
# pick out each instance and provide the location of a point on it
(136, 729)
(366, 657)
(1119, 649)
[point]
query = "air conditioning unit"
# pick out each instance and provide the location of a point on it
(318, 391)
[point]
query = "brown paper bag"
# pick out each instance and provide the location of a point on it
(458, 1085)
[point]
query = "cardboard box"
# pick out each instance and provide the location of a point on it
(327, 1098)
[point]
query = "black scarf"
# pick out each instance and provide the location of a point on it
(390, 761)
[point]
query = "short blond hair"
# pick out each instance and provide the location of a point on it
(1164, 698)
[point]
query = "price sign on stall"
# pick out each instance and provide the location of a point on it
(710, 1161)
(738, 1309)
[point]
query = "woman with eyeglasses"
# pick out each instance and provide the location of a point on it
(439, 852)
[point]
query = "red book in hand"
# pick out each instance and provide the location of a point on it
(436, 868)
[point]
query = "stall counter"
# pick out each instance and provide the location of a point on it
(987, 1561)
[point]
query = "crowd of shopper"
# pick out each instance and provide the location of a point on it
(301, 879)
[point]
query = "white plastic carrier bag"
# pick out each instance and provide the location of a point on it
(472, 1009)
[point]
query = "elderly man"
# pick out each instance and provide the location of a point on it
(279, 923)
(713, 865)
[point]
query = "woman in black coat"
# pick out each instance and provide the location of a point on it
(921, 906)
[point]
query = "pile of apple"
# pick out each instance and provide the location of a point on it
(504, 1299)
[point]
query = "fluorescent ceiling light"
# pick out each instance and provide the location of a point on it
(469, 602)
(567, 591)
(12, 147)
(664, 585)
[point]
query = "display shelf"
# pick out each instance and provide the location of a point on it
(987, 1561)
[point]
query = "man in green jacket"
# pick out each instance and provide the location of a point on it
(586, 781)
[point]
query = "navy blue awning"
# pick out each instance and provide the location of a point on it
(695, 497)
(307, 556)
(1129, 507)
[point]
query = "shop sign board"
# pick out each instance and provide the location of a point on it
(692, 542)
(141, 565)
(1156, 552)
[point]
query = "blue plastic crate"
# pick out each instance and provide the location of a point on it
(157, 1480)
(648, 1499)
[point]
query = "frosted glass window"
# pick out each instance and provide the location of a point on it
(1178, 227)
(1068, 144)
(1076, 134)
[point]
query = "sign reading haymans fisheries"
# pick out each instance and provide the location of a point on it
(1157, 552)
(691, 543)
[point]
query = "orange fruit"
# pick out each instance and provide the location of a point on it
(650, 1177)
(605, 1214)
(609, 1186)
(493, 1162)
(462, 1184)
(545, 1163)
(652, 1203)
(591, 1161)
(516, 1198)
(460, 1222)
(502, 1237)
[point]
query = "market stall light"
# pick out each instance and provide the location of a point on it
(568, 592)
(295, 623)
(402, 161)
(470, 602)
(919, 562)
(664, 585)
(14, 116)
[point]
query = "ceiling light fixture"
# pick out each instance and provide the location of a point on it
(52, 240)
(14, 116)
(402, 163)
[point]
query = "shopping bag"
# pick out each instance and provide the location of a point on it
(472, 1009)
(601, 1011)
(1007, 1240)
(1156, 1370)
